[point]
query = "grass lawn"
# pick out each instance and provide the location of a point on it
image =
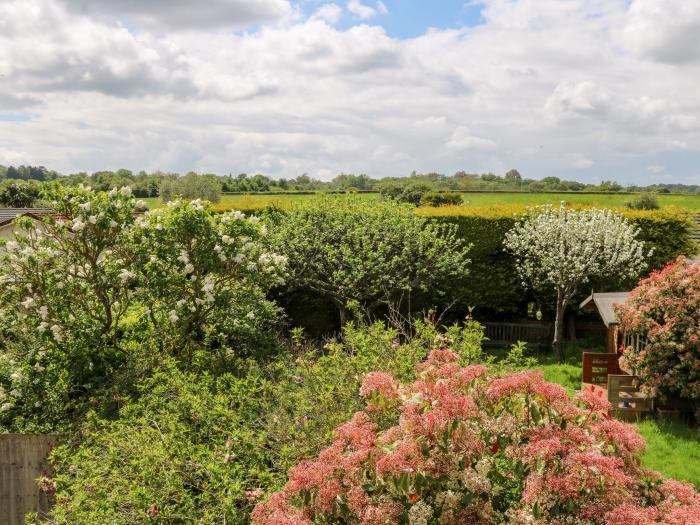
(691, 202)
(673, 448)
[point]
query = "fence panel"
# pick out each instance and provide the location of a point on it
(22, 461)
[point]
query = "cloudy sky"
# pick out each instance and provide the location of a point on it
(581, 89)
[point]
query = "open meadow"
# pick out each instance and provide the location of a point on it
(248, 201)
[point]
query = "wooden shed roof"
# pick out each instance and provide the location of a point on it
(605, 304)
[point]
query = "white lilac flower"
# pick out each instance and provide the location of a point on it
(43, 326)
(5, 407)
(239, 258)
(227, 239)
(15, 393)
(180, 303)
(29, 302)
(208, 287)
(113, 223)
(16, 376)
(92, 219)
(183, 258)
(78, 225)
(173, 316)
(189, 268)
(43, 312)
(57, 333)
(125, 275)
(217, 248)
(113, 192)
(125, 191)
(140, 204)
(84, 206)
(251, 315)
(238, 215)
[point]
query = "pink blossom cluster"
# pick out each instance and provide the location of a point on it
(460, 446)
(664, 309)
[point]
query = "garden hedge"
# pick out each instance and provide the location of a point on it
(492, 285)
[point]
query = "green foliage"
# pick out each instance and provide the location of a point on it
(346, 249)
(19, 194)
(408, 194)
(191, 186)
(645, 201)
(93, 297)
(441, 198)
(190, 445)
(185, 452)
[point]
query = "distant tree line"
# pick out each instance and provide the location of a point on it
(19, 185)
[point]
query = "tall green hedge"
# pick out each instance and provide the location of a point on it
(492, 285)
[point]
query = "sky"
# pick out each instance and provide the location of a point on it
(585, 90)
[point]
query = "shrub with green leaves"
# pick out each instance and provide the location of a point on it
(441, 198)
(645, 201)
(350, 250)
(92, 297)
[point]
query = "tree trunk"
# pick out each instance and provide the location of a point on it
(343, 315)
(559, 327)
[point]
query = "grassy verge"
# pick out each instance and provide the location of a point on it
(673, 448)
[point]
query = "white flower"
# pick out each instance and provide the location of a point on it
(125, 275)
(113, 223)
(251, 315)
(78, 225)
(238, 215)
(217, 248)
(84, 206)
(92, 219)
(183, 258)
(140, 204)
(173, 316)
(208, 287)
(227, 239)
(15, 393)
(29, 302)
(189, 268)
(43, 327)
(16, 376)
(180, 303)
(5, 407)
(125, 191)
(57, 333)
(43, 312)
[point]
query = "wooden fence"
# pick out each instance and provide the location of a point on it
(22, 461)
(505, 334)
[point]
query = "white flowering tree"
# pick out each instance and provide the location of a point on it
(93, 295)
(561, 249)
(203, 277)
(64, 290)
(350, 250)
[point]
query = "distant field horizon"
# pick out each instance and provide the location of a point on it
(247, 201)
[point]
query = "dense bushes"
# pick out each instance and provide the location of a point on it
(458, 446)
(195, 448)
(441, 198)
(493, 283)
(92, 297)
(664, 311)
(645, 201)
(349, 250)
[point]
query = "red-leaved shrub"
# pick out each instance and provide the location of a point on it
(458, 446)
(665, 309)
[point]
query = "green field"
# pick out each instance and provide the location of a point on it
(691, 202)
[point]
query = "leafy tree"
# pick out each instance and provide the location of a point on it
(645, 201)
(191, 186)
(441, 198)
(563, 249)
(19, 195)
(513, 176)
(94, 295)
(347, 249)
(664, 310)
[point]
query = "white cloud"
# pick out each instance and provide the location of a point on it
(547, 87)
(363, 11)
(663, 30)
(462, 139)
(186, 14)
(331, 13)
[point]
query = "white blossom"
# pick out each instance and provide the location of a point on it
(173, 316)
(125, 191)
(29, 302)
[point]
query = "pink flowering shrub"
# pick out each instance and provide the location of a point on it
(665, 309)
(460, 446)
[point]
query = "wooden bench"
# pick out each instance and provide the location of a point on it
(602, 376)
(506, 334)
